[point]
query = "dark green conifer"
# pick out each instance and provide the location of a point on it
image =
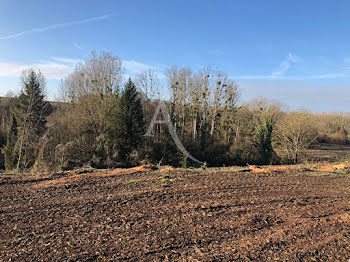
(31, 112)
(130, 121)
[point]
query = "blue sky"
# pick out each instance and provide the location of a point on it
(297, 52)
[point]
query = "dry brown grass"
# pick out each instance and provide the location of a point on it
(340, 137)
(74, 176)
(322, 167)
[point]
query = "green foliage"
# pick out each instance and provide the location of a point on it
(243, 153)
(164, 151)
(132, 181)
(31, 109)
(204, 166)
(31, 112)
(264, 140)
(216, 153)
(129, 121)
(100, 154)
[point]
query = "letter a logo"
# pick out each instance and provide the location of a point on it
(161, 106)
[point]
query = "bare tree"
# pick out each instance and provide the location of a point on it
(149, 84)
(91, 87)
(294, 133)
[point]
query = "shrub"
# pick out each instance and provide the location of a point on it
(340, 137)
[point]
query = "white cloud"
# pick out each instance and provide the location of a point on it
(55, 26)
(56, 68)
(76, 45)
(285, 65)
(66, 60)
(136, 67)
(60, 67)
(280, 74)
(133, 67)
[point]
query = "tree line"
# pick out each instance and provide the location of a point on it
(101, 121)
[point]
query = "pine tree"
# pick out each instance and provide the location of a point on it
(9, 149)
(130, 121)
(264, 140)
(31, 112)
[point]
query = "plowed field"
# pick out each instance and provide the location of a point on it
(147, 215)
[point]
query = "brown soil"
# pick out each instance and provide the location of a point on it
(85, 174)
(145, 215)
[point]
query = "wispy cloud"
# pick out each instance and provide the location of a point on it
(133, 67)
(285, 65)
(66, 60)
(136, 67)
(55, 68)
(277, 74)
(56, 26)
(60, 67)
(288, 62)
(79, 47)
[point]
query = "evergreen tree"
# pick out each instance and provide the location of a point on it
(130, 121)
(264, 140)
(31, 111)
(9, 149)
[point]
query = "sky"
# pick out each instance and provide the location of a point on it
(295, 52)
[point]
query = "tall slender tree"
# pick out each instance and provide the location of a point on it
(129, 121)
(31, 111)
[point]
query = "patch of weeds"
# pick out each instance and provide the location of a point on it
(133, 181)
(162, 180)
(204, 166)
(336, 174)
(342, 173)
(264, 174)
(309, 168)
(165, 179)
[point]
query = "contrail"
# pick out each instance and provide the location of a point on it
(55, 26)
